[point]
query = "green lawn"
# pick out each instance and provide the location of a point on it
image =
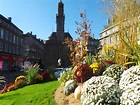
(37, 94)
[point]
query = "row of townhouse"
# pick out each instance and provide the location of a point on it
(109, 35)
(124, 21)
(16, 47)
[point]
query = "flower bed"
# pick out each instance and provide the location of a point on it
(117, 86)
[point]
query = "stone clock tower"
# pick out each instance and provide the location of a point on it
(60, 18)
(54, 47)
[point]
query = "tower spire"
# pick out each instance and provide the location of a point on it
(60, 8)
(60, 18)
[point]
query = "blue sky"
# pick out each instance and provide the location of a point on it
(39, 16)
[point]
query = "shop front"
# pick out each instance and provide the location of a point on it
(8, 61)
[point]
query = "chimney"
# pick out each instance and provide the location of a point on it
(108, 21)
(92, 36)
(10, 19)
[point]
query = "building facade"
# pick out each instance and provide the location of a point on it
(92, 46)
(54, 47)
(34, 48)
(107, 35)
(11, 44)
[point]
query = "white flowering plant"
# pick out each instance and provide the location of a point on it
(130, 86)
(131, 96)
(114, 71)
(129, 76)
(100, 90)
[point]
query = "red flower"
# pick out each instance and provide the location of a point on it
(109, 62)
(103, 65)
(9, 84)
(44, 74)
(83, 73)
(5, 88)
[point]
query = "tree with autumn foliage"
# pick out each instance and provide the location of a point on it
(78, 46)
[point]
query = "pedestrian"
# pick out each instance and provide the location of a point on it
(59, 62)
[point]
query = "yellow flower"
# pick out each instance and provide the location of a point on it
(94, 67)
(99, 56)
(20, 77)
(51, 76)
(39, 77)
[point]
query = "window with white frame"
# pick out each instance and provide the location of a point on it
(138, 29)
(117, 38)
(127, 34)
(104, 41)
(14, 39)
(111, 39)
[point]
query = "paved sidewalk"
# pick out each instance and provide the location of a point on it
(10, 76)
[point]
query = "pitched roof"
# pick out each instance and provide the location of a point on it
(53, 36)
